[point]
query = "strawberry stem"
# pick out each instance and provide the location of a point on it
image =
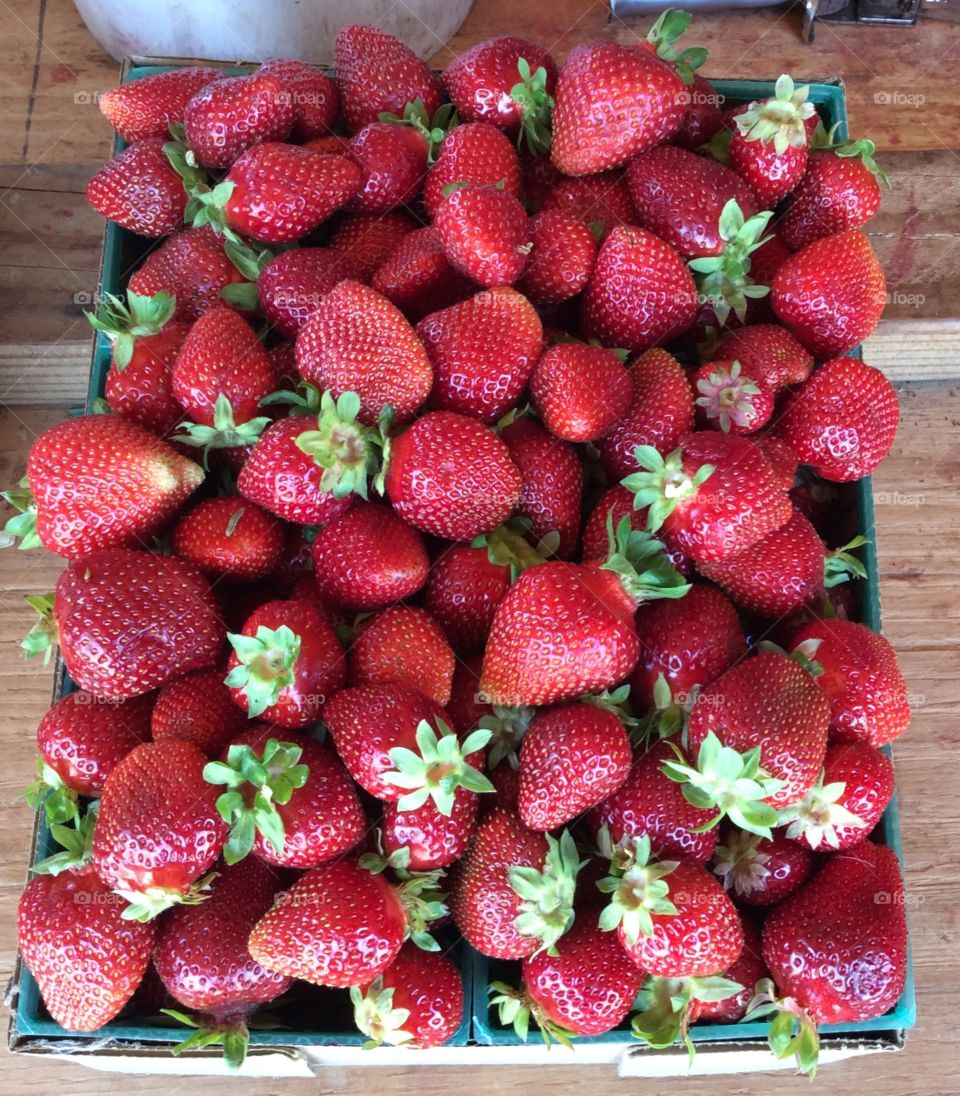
(267, 662)
(348, 452)
(24, 523)
(546, 908)
(375, 1016)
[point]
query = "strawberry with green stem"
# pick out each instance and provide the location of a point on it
(731, 400)
(230, 115)
(667, 1006)
(229, 538)
(792, 1032)
(702, 116)
(723, 280)
(474, 154)
(146, 107)
(760, 871)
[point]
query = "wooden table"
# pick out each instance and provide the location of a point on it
(52, 139)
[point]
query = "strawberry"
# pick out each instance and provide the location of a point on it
(146, 107)
(368, 558)
(672, 917)
(767, 353)
(101, 481)
(680, 196)
(367, 239)
(580, 392)
(416, 1002)
(760, 871)
(782, 460)
(433, 840)
(508, 82)
(291, 286)
(158, 830)
(648, 802)
(485, 234)
(477, 154)
(512, 893)
(861, 680)
(403, 645)
(139, 190)
(745, 972)
(640, 292)
(229, 538)
(616, 503)
(378, 74)
(286, 663)
(702, 116)
(843, 420)
(358, 341)
(730, 398)
(451, 476)
(564, 629)
(229, 116)
(392, 161)
(199, 708)
(153, 619)
(465, 704)
(463, 589)
(483, 351)
(417, 277)
(831, 293)
(627, 94)
(690, 642)
(660, 414)
(561, 258)
(202, 959)
(290, 802)
(552, 483)
(593, 199)
(538, 177)
(313, 95)
(573, 757)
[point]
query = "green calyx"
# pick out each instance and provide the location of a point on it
(616, 701)
(779, 119)
(727, 397)
(731, 783)
(423, 901)
(724, 280)
(863, 150)
(304, 401)
(123, 323)
(438, 769)
(819, 815)
(663, 35)
(348, 452)
(267, 662)
(375, 1016)
(662, 483)
(183, 161)
(75, 840)
(233, 1036)
(516, 1008)
(250, 263)
(42, 637)
(669, 716)
(508, 546)
(23, 524)
(546, 896)
(664, 1007)
(639, 889)
(206, 206)
(792, 1033)
(48, 791)
(275, 774)
(641, 563)
(535, 103)
(841, 565)
(432, 129)
(507, 726)
(225, 433)
(147, 904)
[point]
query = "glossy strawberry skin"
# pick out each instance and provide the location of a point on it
(139, 190)
(338, 925)
(154, 618)
(142, 389)
(485, 233)
(839, 945)
(771, 175)
(451, 476)
(483, 351)
(592, 199)
(392, 161)
(702, 117)
(83, 738)
(462, 593)
(146, 107)
(836, 193)
(746, 971)
(367, 239)
(465, 706)
(768, 353)
(434, 840)
(314, 95)
(417, 277)
(617, 503)
(229, 116)
(86, 958)
(784, 866)
(477, 154)
(198, 707)
(292, 285)
(580, 392)
(403, 645)
(561, 258)
(427, 986)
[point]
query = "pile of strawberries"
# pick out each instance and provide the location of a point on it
(416, 591)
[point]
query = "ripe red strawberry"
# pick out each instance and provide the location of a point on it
(392, 161)
(730, 398)
(843, 420)
(291, 286)
(538, 177)
(660, 414)
(228, 116)
(416, 1002)
(198, 707)
(378, 74)
(760, 871)
(767, 353)
(202, 959)
(483, 351)
(593, 199)
(158, 830)
(616, 503)
(403, 645)
(100, 481)
(580, 392)
(451, 476)
(417, 277)
(861, 679)
(464, 588)
(465, 705)
(146, 107)
(573, 757)
(552, 483)
(627, 94)
(831, 293)
(561, 258)
(286, 663)
(485, 233)
(648, 802)
(702, 116)
(476, 154)
(499, 890)
(564, 629)
(139, 190)
(367, 239)
(782, 460)
(358, 341)
(313, 95)
(640, 292)
(680, 196)
(368, 558)
(691, 931)
(433, 840)
(86, 957)
(129, 622)
(746, 972)
(690, 642)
